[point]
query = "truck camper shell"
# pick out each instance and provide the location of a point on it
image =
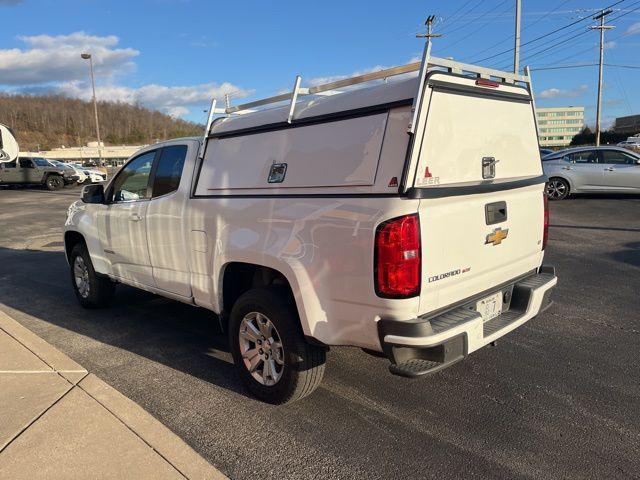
(343, 133)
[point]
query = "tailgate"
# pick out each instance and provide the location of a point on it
(480, 184)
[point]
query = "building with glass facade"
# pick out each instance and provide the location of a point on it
(558, 125)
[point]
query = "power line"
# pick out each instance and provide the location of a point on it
(575, 36)
(580, 65)
(485, 24)
(580, 20)
(510, 37)
(469, 22)
(449, 18)
(561, 67)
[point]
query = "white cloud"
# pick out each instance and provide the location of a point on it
(559, 93)
(52, 64)
(177, 112)
(610, 44)
(57, 58)
(171, 100)
(633, 29)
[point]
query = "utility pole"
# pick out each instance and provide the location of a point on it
(602, 27)
(516, 47)
(429, 35)
(87, 56)
(424, 66)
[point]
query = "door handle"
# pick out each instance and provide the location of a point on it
(135, 217)
(609, 169)
(566, 168)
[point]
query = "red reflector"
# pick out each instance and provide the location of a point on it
(483, 82)
(545, 232)
(393, 182)
(398, 258)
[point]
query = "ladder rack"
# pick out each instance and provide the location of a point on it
(434, 63)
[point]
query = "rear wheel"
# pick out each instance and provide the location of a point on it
(92, 290)
(54, 182)
(557, 188)
(271, 356)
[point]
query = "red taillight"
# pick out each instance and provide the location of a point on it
(545, 231)
(398, 258)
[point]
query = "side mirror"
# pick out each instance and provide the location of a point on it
(93, 194)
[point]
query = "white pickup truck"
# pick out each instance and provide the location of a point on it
(406, 218)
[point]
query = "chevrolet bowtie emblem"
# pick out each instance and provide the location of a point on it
(497, 236)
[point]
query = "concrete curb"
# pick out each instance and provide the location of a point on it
(53, 357)
(166, 443)
(154, 434)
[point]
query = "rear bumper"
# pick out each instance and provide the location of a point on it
(432, 342)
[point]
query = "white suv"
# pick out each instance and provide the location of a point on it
(407, 218)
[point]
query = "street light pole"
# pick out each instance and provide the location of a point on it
(87, 56)
(516, 47)
(602, 27)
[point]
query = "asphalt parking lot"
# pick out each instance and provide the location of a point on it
(557, 398)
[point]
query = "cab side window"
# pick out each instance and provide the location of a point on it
(169, 170)
(132, 182)
(615, 157)
(590, 156)
(26, 163)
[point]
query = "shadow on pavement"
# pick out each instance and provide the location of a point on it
(180, 336)
(630, 255)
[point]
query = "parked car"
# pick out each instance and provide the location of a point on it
(35, 171)
(591, 170)
(82, 177)
(323, 223)
(93, 175)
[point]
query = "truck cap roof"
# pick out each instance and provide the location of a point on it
(395, 92)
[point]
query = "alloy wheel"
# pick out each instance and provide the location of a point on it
(81, 276)
(556, 189)
(261, 348)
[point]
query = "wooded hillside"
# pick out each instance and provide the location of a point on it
(52, 121)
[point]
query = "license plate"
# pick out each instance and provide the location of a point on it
(490, 307)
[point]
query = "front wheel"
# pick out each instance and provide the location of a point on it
(271, 356)
(92, 290)
(54, 182)
(557, 188)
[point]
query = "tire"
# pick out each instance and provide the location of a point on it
(54, 182)
(297, 366)
(99, 289)
(557, 188)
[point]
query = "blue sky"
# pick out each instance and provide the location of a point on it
(174, 54)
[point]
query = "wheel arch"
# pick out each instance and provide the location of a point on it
(238, 277)
(71, 239)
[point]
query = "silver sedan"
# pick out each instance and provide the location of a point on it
(591, 170)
